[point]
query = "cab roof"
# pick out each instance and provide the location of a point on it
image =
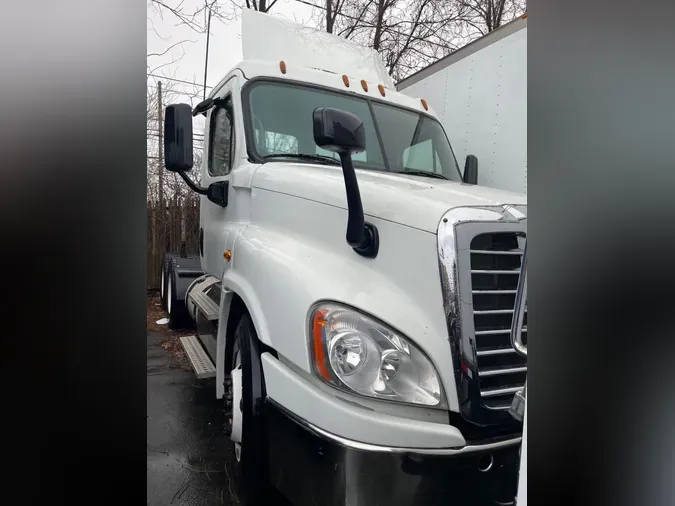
(313, 57)
(347, 81)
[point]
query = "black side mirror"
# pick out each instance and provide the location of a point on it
(178, 138)
(338, 131)
(344, 133)
(471, 170)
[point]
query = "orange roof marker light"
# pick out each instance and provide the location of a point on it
(227, 255)
(524, 16)
(381, 88)
(345, 80)
(424, 104)
(364, 85)
(282, 66)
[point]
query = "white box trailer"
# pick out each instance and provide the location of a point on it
(479, 92)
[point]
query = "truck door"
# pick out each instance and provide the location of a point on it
(219, 161)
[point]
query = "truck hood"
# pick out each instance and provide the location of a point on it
(414, 201)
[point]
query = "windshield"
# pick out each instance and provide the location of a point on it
(397, 139)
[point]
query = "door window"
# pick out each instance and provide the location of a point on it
(221, 148)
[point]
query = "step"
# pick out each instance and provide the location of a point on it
(205, 304)
(199, 359)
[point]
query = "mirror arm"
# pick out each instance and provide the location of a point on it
(362, 236)
(193, 186)
(216, 192)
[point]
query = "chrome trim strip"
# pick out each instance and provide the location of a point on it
(367, 447)
(481, 271)
(496, 252)
(493, 311)
(520, 308)
(499, 372)
(500, 391)
(493, 292)
(498, 351)
(492, 332)
(498, 331)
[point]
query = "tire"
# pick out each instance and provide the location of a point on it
(251, 465)
(174, 307)
(162, 289)
(164, 285)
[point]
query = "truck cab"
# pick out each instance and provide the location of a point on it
(358, 288)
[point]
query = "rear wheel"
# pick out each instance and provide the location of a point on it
(173, 306)
(249, 436)
(163, 287)
(169, 298)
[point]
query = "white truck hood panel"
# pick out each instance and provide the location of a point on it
(413, 201)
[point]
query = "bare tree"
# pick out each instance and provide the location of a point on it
(195, 16)
(344, 17)
(234, 7)
(485, 16)
(190, 17)
(407, 33)
(413, 34)
(410, 34)
(260, 5)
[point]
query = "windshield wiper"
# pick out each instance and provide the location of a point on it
(423, 173)
(303, 156)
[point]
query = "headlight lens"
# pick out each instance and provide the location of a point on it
(358, 354)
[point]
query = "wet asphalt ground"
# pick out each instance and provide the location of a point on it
(189, 458)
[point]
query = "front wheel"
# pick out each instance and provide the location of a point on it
(248, 431)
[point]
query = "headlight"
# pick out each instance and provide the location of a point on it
(355, 353)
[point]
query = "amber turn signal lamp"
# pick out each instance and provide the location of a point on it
(318, 323)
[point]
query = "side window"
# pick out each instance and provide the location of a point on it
(221, 143)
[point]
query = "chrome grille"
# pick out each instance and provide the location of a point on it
(495, 268)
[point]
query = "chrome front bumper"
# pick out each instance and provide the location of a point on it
(311, 466)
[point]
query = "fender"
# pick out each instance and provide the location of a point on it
(279, 274)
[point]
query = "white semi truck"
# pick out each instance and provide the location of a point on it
(480, 95)
(358, 287)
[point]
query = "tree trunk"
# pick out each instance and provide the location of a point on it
(330, 19)
(377, 39)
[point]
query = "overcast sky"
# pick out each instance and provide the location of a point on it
(185, 61)
(224, 47)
